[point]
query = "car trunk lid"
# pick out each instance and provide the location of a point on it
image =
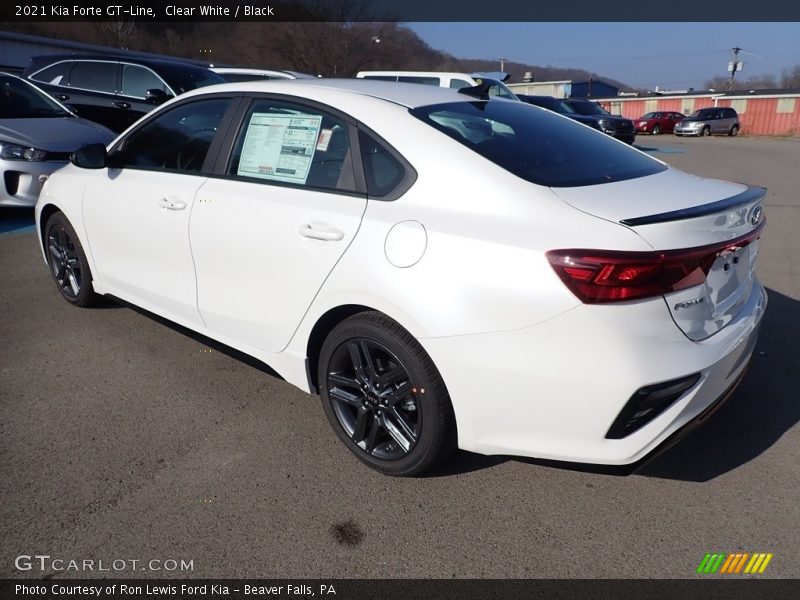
(677, 211)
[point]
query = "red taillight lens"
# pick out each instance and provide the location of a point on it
(596, 276)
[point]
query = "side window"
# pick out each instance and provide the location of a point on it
(457, 84)
(94, 76)
(417, 79)
(137, 80)
(290, 143)
(57, 74)
(177, 140)
(382, 171)
(730, 113)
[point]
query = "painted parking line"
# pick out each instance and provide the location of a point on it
(15, 221)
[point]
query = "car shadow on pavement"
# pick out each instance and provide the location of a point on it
(206, 341)
(764, 407)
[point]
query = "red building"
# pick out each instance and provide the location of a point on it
(763, 112)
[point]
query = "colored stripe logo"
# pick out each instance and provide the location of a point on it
(735, 563)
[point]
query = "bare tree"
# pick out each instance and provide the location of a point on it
(119, 32)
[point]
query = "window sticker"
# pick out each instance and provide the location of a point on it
(324, 139)
(279, 147)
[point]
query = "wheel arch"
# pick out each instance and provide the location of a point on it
(324, 325)
(48, 210)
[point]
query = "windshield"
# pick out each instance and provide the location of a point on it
(700, 114)
(652, 116)
(537, 145)
(21, 100)
(589, 108)
(185, 78)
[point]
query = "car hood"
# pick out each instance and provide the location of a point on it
(59, 134)
(693, 120)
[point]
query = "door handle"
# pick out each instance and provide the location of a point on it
(122, 104)
(62, 96)
(172, 203)
(327, 235)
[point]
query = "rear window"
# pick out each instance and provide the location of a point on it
(538, 146)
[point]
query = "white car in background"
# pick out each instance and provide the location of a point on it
(442, 269)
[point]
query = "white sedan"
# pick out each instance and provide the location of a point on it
(441, 269)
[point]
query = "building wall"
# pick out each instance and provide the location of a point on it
(759, 115)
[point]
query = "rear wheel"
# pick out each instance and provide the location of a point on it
(384, 397)
(67, 262)
(706, 131)
(734, 131)
(656, 129)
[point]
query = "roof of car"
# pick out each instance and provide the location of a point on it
(150, 62)
(410, 95)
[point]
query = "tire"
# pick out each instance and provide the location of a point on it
(734, 131)
(384, 396)
(656, 129)
(67, 261)
(706, 131)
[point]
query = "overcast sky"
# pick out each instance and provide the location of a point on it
(671, 55)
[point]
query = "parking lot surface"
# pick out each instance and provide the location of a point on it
(124, 438)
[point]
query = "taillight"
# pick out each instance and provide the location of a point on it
(596, 276)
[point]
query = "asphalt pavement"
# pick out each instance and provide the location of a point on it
(123, 438)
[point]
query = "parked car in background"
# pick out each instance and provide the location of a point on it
(617, 127)
(442, 79)
(560, 106)
(658, 122)
(115, 91)
(37, 135)
(236, 74)
(718, 120)
(443, 269)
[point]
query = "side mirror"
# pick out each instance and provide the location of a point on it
(156, 96)
(92, 156)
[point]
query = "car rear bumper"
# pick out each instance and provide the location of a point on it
(552, 391)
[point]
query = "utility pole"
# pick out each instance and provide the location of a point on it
(734, 65)
(502, 64)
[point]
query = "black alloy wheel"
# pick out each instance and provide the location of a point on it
(384, 397)
(67, 262)
(374, 399)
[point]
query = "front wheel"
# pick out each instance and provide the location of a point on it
(656, 129)
(67, 262)
(384, 397)
(706, 131)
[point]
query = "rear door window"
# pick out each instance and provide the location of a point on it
(137, 80)
(94, 76)
(288, 143)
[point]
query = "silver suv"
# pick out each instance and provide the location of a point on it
(719, 120)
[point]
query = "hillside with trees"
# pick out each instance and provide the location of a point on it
(329, 49)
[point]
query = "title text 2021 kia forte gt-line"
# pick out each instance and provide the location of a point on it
(442, 269)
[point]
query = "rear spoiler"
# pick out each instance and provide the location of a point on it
(753, 192)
